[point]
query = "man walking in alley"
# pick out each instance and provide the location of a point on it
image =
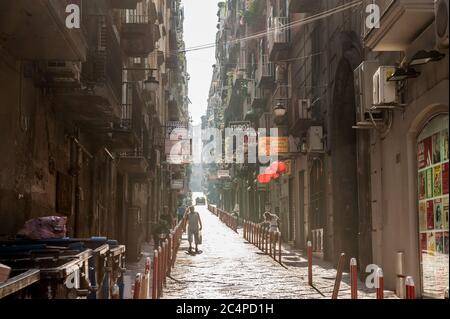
(194, 228)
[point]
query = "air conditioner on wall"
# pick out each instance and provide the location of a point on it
(363, 82)
(304, 109)
(315, 139)
(62, 73)
(441, 13)
(384, 91)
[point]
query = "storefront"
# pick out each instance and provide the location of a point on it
(433, 205)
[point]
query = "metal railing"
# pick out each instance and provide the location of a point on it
(126, 118)
(277, 31)
(265, 69)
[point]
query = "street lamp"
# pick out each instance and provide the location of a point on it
(151, 84)
(279, 110)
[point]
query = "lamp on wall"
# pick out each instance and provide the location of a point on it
(151, 84)
(402, 74)
(423, 57)
(279, 110)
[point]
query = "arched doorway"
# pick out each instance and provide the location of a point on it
(433, 208)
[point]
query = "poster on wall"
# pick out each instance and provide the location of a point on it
(445, 178)
(436, 147)
(445, 212)
(437, 180)
(422, 185)
(424, 153)
(430, 215)
(438, 222)
(429, 181)
(431, 244)
(423, 242)
(446, 242)
(439, 242)
(422, 216)
(444, 145)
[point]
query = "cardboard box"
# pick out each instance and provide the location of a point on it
(4, 273)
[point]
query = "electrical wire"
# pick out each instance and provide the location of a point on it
(287, 26)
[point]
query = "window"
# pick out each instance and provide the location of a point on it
(433, 197)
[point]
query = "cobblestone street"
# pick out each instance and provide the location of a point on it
(229, 267)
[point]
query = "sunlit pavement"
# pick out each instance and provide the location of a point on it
(229, 267)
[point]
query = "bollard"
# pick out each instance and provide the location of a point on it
(266, 240)
(155, 275)
(354, 278)
(270, 243)
(337, 283)
(160, 270)
(379, 283)
(309, 253)
(169, 255)
(410, 288)
(279, 247)
(164, 262)
(137, 286)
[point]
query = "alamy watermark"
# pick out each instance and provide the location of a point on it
(73, 20)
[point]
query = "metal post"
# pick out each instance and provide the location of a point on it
(410, 288)
(379, 283)
(155, 275)
(354, 278)
(279, 247)
(337, 283)
(309, 253)
(137, 286)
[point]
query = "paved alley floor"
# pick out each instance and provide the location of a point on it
(230, 267)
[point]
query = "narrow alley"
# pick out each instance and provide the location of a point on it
(229, 267)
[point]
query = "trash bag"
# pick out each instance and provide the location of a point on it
(50, 227)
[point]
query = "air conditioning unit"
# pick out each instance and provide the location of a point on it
(304, 109)
(363, 82)
(315, 139)
(441, 19)
(384, 91)
(62, 73)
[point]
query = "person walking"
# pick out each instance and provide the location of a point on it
(272, 221)
(181, 211)
(194, 228)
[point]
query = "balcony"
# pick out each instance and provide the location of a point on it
(36, 30)
(139, 34)
(278, 37)
(256, 95)
(265, 72)
(96, 102)
(125, 134)
(401, 22)
(134, 163)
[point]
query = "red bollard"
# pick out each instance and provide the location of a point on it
(309, 253)
(410, 288)
(279, 247)
(270, 243)
(169, 255)
(137, 286)
(160, 270)
(155, 276)
(379, 283)
(354, 278)
(266, 240)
